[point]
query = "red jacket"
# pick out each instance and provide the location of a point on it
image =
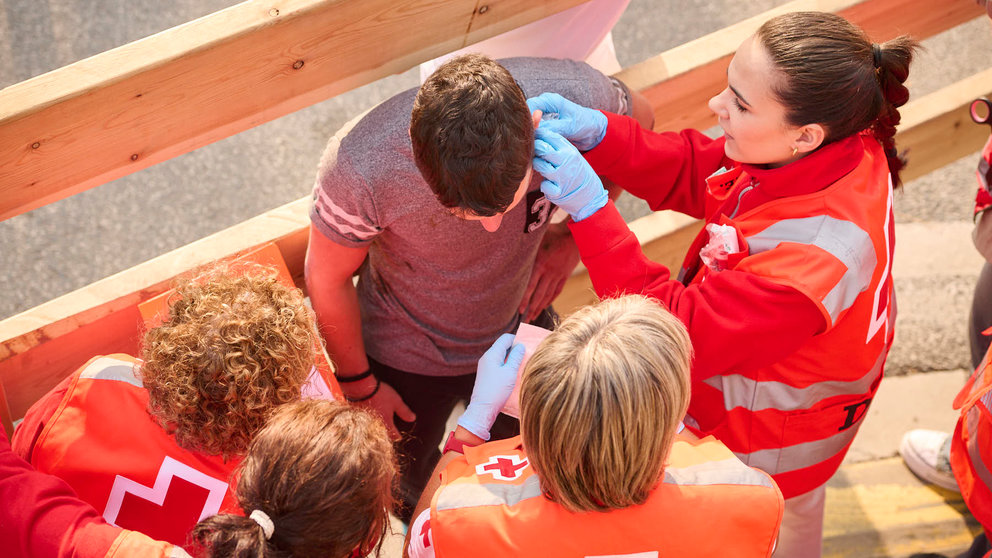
(101, 440)
(971, 446)
(490, 504)
(42, 517)
(784, 371)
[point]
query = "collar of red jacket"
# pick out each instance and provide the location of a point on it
(813, 172)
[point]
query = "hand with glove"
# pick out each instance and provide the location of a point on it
(582, 126)
(570, 183)
(494, 381)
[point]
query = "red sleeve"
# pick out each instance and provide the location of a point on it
(41, 516)
(668, 169)
(737, 321)
(37, 417)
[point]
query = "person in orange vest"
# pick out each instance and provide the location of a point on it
(787, 290)
(599, 468)
(298, 482)
(151, 443)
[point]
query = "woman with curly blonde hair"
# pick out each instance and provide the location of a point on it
(151, 443)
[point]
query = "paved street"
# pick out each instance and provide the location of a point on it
(63, 246)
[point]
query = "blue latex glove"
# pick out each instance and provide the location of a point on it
(582, 126)
(494, 381)
(571, 183)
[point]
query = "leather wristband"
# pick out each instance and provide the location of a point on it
(355, 378)
(378, 384)
(455, 445)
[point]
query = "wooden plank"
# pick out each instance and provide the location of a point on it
(157, 98)
(937, 129)
(286, 225)
(680, 81)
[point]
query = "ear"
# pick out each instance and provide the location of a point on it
(536, 117)
(810, 137)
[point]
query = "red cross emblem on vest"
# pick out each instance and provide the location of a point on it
(180, 497)
(503, 467)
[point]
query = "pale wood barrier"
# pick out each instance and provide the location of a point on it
(165, 95)
(42, 345)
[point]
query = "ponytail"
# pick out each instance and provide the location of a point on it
(234, 536)
(893, 59)
(834, 76)
(317, 481)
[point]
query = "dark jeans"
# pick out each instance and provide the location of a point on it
(432, 398)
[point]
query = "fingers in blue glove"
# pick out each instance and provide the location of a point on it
(547, 103)
(499, 349)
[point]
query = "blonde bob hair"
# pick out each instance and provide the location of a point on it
(601, 400)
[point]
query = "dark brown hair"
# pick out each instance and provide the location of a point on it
(834, 76)
(472, 134)
(323, 473)
(236, 344)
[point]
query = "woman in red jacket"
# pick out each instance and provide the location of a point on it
(787, 292)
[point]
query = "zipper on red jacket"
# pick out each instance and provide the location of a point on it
(740, 196)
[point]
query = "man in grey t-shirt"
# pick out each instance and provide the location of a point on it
(401, 189)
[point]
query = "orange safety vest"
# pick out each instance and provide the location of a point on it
(708, 504)
(796, 418)
(971, 446)
(104, 444)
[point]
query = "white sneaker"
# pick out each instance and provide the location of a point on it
(927, 453)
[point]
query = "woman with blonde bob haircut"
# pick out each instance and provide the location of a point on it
(600, 467)
(618, 372)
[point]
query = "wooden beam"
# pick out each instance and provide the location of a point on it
(287, 226)
(678, 82)
(148, 101)
(937, 129)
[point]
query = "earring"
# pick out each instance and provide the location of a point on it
(794, 151)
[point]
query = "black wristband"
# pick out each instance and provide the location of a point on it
(365, 397)
(355, 378)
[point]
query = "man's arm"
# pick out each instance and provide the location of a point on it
(328, 270)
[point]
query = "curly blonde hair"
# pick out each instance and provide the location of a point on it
(234, 347)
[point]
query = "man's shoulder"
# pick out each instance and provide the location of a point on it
(373, 145)
(572, 79)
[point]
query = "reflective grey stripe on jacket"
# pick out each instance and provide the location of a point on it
(105, 368)
(844, 240)
(726, 471)
(464, 495)
(775, 461)
(741, 391)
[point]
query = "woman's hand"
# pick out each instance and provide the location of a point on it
(494, 381)
(582, 126)
(571, 183)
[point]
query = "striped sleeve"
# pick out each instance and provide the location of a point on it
(343, 206)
